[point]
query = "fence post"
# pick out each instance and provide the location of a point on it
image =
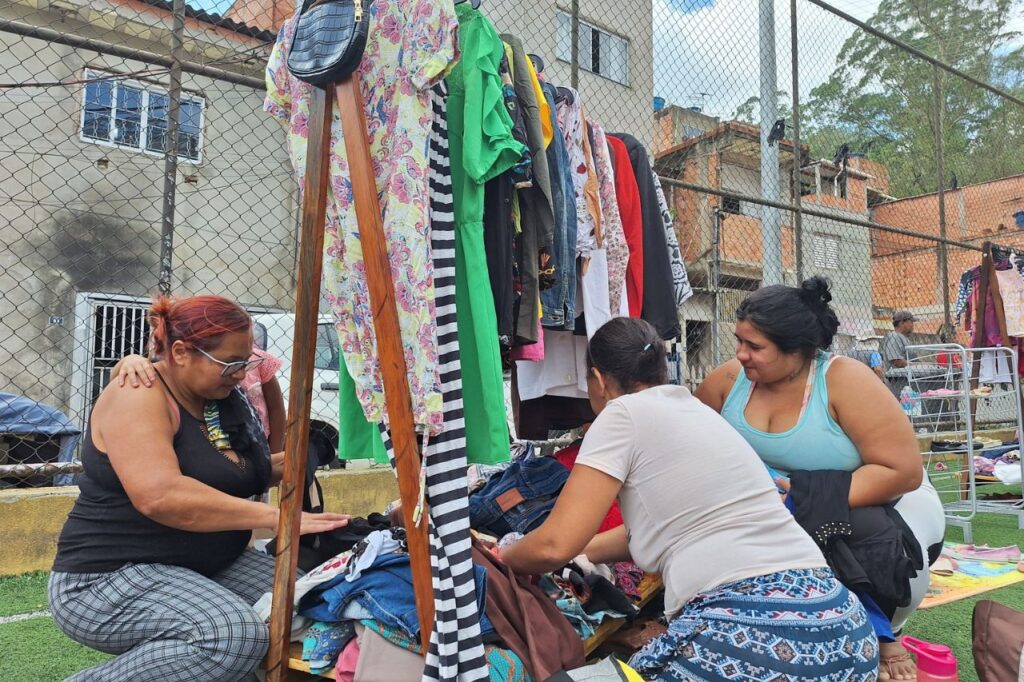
(574, 36)
(771, 217)
(171, 149)
(716, 276)
(940, 170)
(796, 192)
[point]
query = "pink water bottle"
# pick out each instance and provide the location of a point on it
(935, 662)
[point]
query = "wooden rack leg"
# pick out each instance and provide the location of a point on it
(307, 300)
(389, 343)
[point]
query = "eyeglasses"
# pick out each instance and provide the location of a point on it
(230, 368)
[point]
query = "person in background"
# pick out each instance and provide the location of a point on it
(866, 350)
(894, 351)
(152, 563)
(812, 415)
(701, 511)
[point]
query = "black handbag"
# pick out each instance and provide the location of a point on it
(329, 39)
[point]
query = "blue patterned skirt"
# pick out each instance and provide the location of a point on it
(791, 625)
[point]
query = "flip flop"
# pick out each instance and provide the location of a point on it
(885, 665)
(944, 566)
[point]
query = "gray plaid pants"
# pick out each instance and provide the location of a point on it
(167, 623)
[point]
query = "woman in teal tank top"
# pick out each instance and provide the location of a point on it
(803, 409)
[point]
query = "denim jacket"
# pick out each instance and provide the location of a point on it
(559, 301)
(520, 498)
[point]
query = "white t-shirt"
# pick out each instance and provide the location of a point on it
(700, 507)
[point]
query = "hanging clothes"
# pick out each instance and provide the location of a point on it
(569, 114)
(995, 368)
(968, 281)
(396, 73)
(538, 220)
(558, 302)
(456, 651)
(482, 148)
(563, 372)
(680, 280)
(628, 196)
(659, 302)
(1011, 289)
(611, 220)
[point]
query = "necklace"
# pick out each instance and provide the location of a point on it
(214, 432)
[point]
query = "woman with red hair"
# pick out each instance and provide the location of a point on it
(152, 563)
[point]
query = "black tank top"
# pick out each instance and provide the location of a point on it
(104, 531)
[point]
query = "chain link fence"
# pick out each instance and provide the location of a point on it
(135, 157)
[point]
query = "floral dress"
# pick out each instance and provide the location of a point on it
(411, 45)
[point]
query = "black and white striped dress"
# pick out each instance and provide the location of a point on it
(456, 652)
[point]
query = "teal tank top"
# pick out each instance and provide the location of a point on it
(816, 441)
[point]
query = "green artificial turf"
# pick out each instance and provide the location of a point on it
(23, 594)
(36, 651)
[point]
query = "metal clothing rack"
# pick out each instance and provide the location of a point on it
(949, 404)
(347, 95)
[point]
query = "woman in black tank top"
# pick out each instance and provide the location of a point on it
(167, 472)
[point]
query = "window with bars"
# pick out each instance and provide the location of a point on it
(119, 329)
(600, 52)
(133, 115)
(826, 251)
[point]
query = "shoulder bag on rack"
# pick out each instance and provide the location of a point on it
(329, 39)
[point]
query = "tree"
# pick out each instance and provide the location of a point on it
(882, 101)
(750, 111)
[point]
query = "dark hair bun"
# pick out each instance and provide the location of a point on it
(816, 291)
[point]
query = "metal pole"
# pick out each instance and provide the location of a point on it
(760, 201)
(574, 36)
(171, 149)
(716, 277)
(940, 163)
(771, 218)
(103, 47)
(797, 193)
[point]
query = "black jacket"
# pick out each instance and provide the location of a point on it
(870, 549)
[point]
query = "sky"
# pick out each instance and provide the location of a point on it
(707, 51)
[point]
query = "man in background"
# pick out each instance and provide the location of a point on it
(894, 351)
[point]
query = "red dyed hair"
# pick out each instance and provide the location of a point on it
(199, 321)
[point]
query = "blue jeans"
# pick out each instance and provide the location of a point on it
(520, 498)
(386, 591)
(559, 302)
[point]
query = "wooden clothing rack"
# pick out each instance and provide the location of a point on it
(349, 98)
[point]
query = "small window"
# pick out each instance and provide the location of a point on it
(600, 52)
(326, 347)
(259, 335)
(826, 252)
(133, 115)
(732, 205)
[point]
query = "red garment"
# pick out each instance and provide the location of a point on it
(567, 458)
(628, 195)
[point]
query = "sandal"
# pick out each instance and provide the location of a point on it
(885, 665)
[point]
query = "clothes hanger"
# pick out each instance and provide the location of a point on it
(475, 4)
(538, 62)
(566, 94)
